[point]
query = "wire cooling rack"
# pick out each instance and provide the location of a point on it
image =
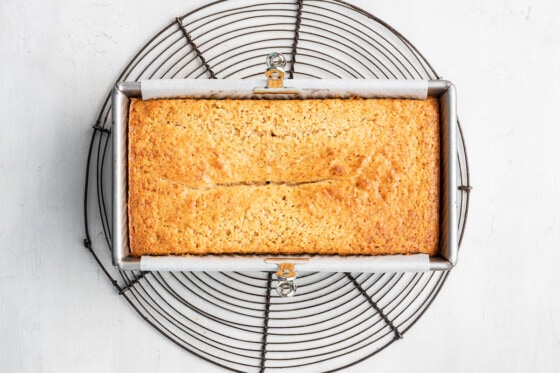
(236, 320)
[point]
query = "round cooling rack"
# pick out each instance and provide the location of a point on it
(236, 320)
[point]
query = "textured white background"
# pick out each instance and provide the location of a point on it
(499, 310)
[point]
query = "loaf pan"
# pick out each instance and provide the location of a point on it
(304, 89)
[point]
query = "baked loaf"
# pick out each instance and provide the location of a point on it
(333, 176)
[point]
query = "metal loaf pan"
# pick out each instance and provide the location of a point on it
(448, 244)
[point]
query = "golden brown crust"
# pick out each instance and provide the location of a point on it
(283, 176)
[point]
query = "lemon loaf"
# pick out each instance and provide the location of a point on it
(331, 176)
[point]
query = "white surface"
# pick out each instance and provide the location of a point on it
(498, 311)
